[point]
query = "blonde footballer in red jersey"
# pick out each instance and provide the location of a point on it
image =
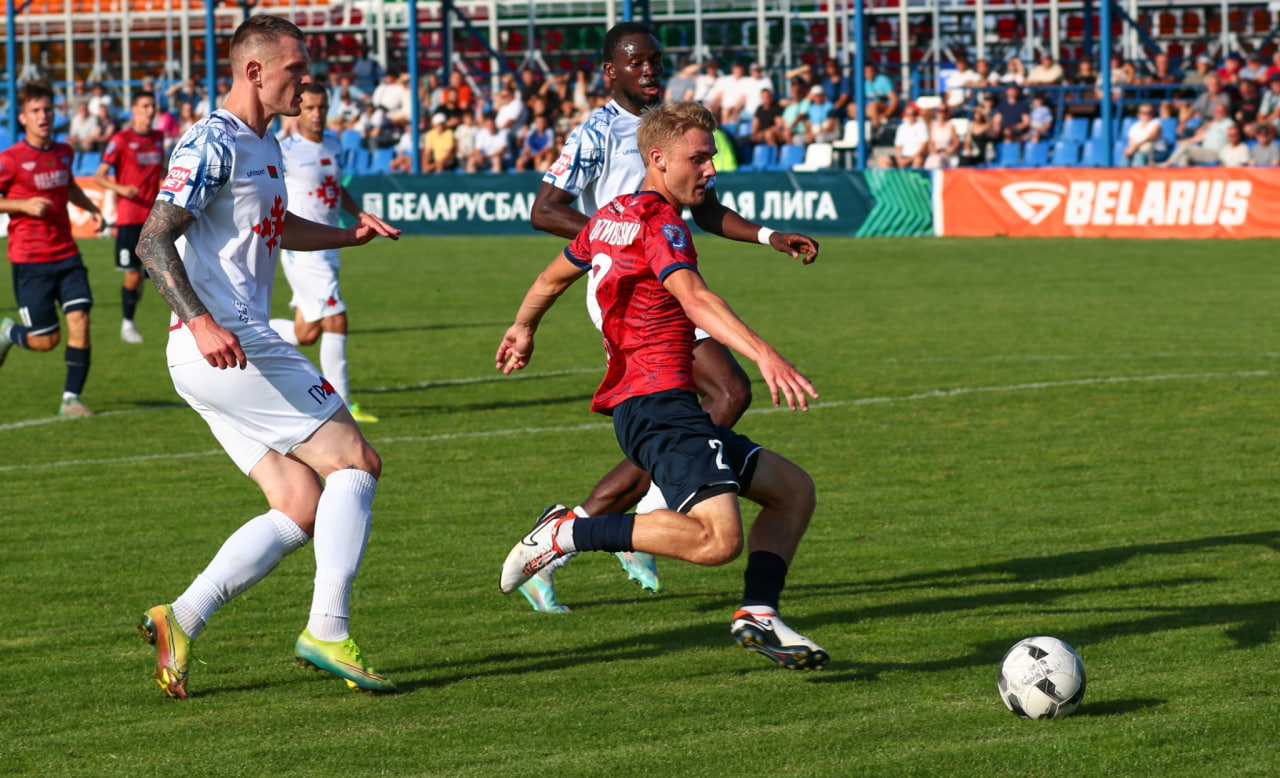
(639, 256)
(36, 184)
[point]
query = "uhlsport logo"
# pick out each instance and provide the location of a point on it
(1132, 203)
(1033, 200)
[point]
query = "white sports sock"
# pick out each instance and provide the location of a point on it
(333, 362)
(652, 500)
(285, 328)
(343, 518)
(244, 559)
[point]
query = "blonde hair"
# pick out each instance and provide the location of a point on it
(662, 126)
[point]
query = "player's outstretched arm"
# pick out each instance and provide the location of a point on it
(717, 219)
(31, 206)
(709, 311)
(77, 197)
(516, 348)
(301, 234)
(553, 212)
(158, 252)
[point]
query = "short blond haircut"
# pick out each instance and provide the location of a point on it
(662, 126)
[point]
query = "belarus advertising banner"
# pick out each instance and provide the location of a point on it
(1199, 202)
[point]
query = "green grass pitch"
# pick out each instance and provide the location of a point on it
(1074, 438)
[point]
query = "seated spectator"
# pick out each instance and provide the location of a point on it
(1040, 118)
(944, 141)
(881, 97)
(1082, 98)
(1192, 115)
(961, 82)
(973, 149)
(491, 147)
(1273, 69)
(392, 98)
(167, 124)
(1014, 73)
(1011, 120)
(1207, 141)
(402, 162)
(734, 91)
(462, 89)
(758, 83)
(796, 112)
(1160, 74)
(1123, 74)
(985, 77)
(706, 86)
(1047, 73)
(911, 141)
(1145, 140)
(1265, 152)
(106, 127)
(538, 149)
(439, 147)
(1247, 104)
(374, 128)
(1269, 107)
(1253, 69)
(822, 122)
(1229, 73)
(837, 87)
(766, 123)
(344, 107)
(1236, 152)
(682, 83)
(1196, 78)
(510, 113)
(464, 137)
(99, 98)
(83, 132)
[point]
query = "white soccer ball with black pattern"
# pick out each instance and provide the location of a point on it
(1042, 678)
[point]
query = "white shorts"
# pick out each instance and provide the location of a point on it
(276, 403)
(313, 277)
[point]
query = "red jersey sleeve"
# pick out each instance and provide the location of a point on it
(668, 247)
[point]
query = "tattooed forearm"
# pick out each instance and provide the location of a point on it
(158, 252)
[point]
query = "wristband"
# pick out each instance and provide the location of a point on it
(763, 236)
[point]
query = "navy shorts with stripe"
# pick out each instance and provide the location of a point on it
(37, 286)
(689, 457)
(127, 247)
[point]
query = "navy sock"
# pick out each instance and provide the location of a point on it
(766, 575)
(129, 301)
(611, 532)
(18, 334)
(77, 369)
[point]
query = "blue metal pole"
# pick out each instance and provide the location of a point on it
(415, 109)
(627, 11)
(210, 57)
(1108, 145)
(11, 67)
(859, 83)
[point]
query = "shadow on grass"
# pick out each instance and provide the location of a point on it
(1249, 624)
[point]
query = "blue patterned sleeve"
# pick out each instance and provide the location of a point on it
(200, 166)
(580, 161)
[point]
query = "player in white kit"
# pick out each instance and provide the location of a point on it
(601, 160)
(313, 176)
(210, 246)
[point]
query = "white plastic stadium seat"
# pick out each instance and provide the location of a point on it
(817, 156)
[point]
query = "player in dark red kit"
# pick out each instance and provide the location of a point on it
(35, 186)
(137, 154)
(643, 276)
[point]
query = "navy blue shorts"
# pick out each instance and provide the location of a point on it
(127, 247)
(38, 285)
(688, 456)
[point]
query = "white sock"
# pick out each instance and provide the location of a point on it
(343, 518)
(244, 559)
(333, 362)
(285, 328)
(652, 500)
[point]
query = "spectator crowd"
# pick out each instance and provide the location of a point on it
(1222, 113)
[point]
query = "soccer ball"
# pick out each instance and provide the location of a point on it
(1041, 678)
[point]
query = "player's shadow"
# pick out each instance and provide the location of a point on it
(499, 327)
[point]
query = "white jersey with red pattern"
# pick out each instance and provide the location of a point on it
(232, 181)
(313, 175)
(629, 247)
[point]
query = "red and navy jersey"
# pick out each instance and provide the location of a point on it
(25, 172)
(629, 247)
(139, 161)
